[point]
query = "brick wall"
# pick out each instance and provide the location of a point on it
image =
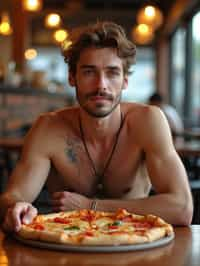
(18, 109)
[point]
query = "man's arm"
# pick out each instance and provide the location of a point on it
(173, 201)
(29, 175)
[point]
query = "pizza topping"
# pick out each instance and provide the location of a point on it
(89, 217)
(139, 225)
(113, 227)
(74, 227)
(89, 233)
(38, 227)
(127, 219)
(117, 222)
(61, 220)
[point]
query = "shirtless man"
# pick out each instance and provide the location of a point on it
(99, 146)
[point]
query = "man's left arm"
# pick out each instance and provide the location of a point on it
(173, 200)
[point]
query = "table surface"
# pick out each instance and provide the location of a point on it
(183, 250)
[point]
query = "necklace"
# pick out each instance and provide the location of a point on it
(97, 175)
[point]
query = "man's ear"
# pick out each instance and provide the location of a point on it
(71, 79)
(125, 83)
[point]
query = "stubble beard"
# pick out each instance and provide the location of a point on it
(99, 111)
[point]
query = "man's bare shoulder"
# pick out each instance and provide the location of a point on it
(57, 118)
(138, 113)
(49, 126)
(146, 123)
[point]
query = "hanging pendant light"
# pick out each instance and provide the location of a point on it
(60, 35)
(142, 34)
(150, 15)
(30, 54)
(52, 20)
(5, 26)
(32, 5)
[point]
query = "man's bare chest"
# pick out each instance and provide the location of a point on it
(108, 174)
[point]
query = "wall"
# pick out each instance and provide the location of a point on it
(17, 109)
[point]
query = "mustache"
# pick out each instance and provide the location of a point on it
(106, 95)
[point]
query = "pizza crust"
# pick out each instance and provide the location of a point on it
(86, 227)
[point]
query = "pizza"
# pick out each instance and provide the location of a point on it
(89, 227)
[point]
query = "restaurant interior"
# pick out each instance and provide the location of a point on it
(33, 75)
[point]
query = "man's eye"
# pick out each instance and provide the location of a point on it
(88, 72)
(113, 73)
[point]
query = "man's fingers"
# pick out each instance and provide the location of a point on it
(55, 202)
(29, 215)
(60, 194)
(22, 212)
(56, 195)
(17, 213)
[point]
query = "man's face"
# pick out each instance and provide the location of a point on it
(99, 81)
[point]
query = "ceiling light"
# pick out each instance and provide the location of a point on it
(150, 15)
(52, 20)
(142, 34)
(60, 35)
(30, 54)
(5, 27)
(32, 5)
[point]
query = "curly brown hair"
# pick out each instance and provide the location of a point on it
(100, 35)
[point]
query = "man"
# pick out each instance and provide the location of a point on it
(98, 147)
(174, 120)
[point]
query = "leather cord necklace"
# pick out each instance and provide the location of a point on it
(97, 175)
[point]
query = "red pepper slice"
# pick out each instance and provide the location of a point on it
(89, 233)
(113, 226)
(38, 227)
(61, 220)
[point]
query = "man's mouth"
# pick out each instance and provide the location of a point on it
(100, 97)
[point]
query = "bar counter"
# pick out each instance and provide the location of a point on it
(184, 250)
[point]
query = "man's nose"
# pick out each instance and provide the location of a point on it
(101, 81)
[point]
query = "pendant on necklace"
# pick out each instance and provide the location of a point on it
(100, 191)
(99, 186)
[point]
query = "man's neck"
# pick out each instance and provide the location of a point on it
(98, 129)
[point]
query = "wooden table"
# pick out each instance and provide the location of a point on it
(184, 250)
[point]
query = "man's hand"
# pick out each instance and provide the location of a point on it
(21, 212)
(67, 201)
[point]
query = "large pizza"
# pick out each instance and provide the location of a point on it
(89, 227)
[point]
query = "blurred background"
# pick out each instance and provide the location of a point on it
(32, 31)
(33, 75)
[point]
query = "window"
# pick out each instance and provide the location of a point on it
(51, 61)
(195, 86)
(142, 80)
(178, 70)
